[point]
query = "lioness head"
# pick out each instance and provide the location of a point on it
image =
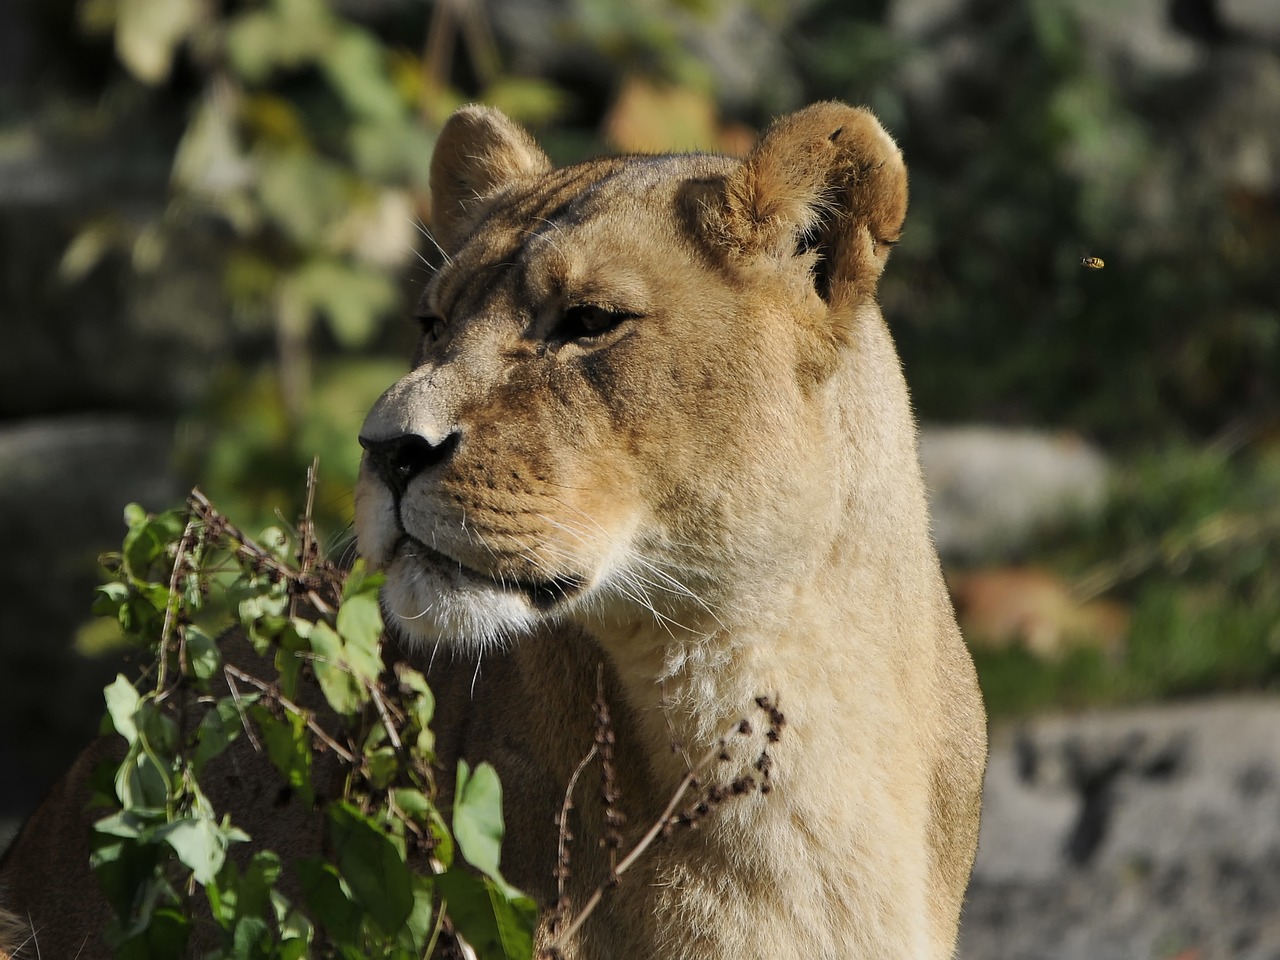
(621, 410)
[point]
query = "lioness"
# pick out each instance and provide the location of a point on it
(656, 423)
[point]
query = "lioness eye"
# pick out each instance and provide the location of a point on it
(586, 320)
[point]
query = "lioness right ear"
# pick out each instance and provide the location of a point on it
(480, 151)
(826, 185)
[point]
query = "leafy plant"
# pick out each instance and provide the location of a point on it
(181, 579)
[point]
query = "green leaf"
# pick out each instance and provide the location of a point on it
(420, 703)
(302, 192)
(360, 626)
(253, 891)
(352, 298)
(200, 845)
(142, 784)
(527, 99)
(340, 688)
(420, 925)
(122, 704)
(288, 745)
(163, 938)
(516, 916)
(147, 539)
(109, 598)
(360, 621)
(382, 766)
(148, 33)
(123, 869)
(496, 924)
(412, 803)
(330, 901)
(356, 67)
(217, 729)
(360, 580)
(251, 939)
(477, 817)
(203, 656)
(158, 732)
(444, 839)
(372, 866)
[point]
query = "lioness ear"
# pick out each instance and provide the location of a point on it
(479, 152)
(826, 184)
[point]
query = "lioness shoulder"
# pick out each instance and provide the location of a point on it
(656, 436)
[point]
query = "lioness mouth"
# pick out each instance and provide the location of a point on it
(543, 595)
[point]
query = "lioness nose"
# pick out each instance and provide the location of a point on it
(397, 460)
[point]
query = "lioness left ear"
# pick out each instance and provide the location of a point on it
(480, 151)
(828, 184)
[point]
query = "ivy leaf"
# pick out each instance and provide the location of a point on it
(217, 729)
(163, 936)
(382, 766)
(495, 924)
(251, 939)
(360, 580)
(302, 192)
(477, 817)
(360, 625)
(203, 655)
(329, 900)
(122, 703)
(289, 747)
(340, 688)
(199, 843)
(141, 783)
(371, 865)
(419, 926)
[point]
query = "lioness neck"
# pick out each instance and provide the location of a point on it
(835, 629)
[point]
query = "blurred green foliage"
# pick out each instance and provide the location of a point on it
(1191, 542)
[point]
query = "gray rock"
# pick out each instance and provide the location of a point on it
(992, 489)
(1132, 834)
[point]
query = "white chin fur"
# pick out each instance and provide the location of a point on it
(426, 605)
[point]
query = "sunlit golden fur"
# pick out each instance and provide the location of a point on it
(657, 427)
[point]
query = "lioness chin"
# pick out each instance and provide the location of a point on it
(656, 425)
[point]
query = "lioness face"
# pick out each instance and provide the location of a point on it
(587, 427)
(610, 417)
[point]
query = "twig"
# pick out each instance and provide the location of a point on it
(171, 605)
(296, 710)
(562, 842)
(662, 824)
(614, 819)
(376, 696)
(244, 719)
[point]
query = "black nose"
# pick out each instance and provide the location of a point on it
(397, 460)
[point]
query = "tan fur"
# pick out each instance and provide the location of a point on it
(716, 498)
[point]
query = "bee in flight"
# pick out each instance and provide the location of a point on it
(1092, 263)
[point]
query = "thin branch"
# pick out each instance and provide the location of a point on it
(244, 719)
(296, 710)
(172, 602)
(663, 822)
(562, 842)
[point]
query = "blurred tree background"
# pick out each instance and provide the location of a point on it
(213, 224)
